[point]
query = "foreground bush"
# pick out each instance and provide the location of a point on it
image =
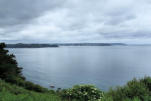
(135, 90)
(82, 93)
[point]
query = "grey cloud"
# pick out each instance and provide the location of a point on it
(128, 35)
(74, 20)
(14, 12)
(115, 20)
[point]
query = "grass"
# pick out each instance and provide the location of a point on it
(134, 90)
(9, 92)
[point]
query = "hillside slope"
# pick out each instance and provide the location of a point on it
(9, 92)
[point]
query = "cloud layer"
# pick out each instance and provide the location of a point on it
(36, 21)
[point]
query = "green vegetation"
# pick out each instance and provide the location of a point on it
(10, 72)
(8, 65)
(14, 87)
(82, 93)
(135, 90)
(10, 92)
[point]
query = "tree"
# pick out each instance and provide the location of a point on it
(9, 69)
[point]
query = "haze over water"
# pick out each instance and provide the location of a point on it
(105, 67)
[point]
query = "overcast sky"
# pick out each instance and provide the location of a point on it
(46, 21)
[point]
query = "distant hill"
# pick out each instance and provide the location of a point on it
(90, 44)
(22, 45)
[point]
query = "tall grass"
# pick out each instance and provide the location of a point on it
(134, 90)
(9, 92)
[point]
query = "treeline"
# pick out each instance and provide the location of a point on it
(91, 44)
(21, 45)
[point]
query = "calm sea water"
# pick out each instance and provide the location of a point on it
(104, 67)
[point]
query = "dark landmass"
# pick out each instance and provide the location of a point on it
(21, 45)
(139, 44)
(90, 44)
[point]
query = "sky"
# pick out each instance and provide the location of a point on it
(75, 21)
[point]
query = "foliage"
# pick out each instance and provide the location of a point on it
(82, 93)
(10, 72)
(8, 65)
(137, 90)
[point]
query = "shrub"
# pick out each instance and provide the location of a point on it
(139, 89)
(30, 86)
(82, 93)
(147, 82)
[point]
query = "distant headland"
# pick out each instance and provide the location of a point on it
(23, 45)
